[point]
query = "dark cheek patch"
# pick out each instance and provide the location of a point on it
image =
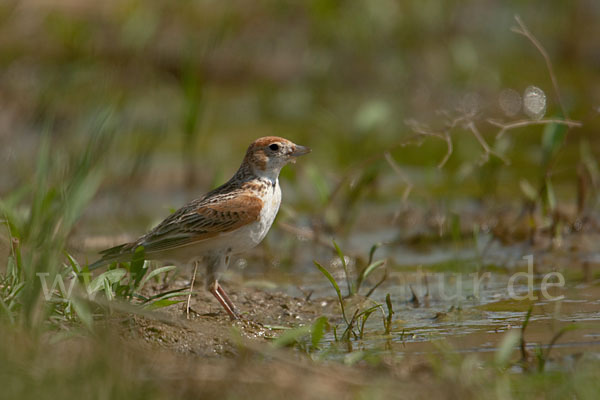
(260, 160)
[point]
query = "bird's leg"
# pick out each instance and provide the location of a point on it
(224, 300)
(220, 288)
(216, 264)
(187, 308)
(227, 299)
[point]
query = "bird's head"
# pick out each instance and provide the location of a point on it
(269, 154)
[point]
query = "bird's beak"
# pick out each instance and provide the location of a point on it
(300, 151)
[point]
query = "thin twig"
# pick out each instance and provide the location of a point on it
(403, 176)
(383, 278)
(522, 30)
(486, 148)
(189, 299)
(467, 123)
(523, 123)
(444, 135)
(467, 120)
(448, 152)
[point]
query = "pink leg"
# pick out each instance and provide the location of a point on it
(226, 298)
(225, 301)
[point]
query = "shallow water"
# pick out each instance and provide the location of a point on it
(472, 310)
(478, 324)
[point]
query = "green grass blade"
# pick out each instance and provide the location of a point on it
(506, 348)
(161, 304)
(108, 290)
(137, 268)
(388, 303)
(112, 276)
(291, 336)
(74, 264)
(82, 311)
(367, 271)
(365, 316)
(351, 290)
(169, 294)
(318, 331)
(545, 355)
(383, 278)
(552, 140)
(331, 280)
(372, 252)
(550, 195)
(6, 311)
(156, 272)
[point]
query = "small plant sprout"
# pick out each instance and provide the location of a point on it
(351, 287)
(390, 313)
(336, 287)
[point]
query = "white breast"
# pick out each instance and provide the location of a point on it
(257, 231)
(270, 209)
(249, 236)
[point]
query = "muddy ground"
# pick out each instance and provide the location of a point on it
(208, 330)
(208, 355)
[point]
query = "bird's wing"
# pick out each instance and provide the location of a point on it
(202, 220)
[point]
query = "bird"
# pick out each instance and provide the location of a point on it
(229, 220)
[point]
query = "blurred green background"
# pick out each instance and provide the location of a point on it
(160, 99)
(189, 84)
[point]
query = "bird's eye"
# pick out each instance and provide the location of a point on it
(274, 147)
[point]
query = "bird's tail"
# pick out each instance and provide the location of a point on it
(122, 252)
